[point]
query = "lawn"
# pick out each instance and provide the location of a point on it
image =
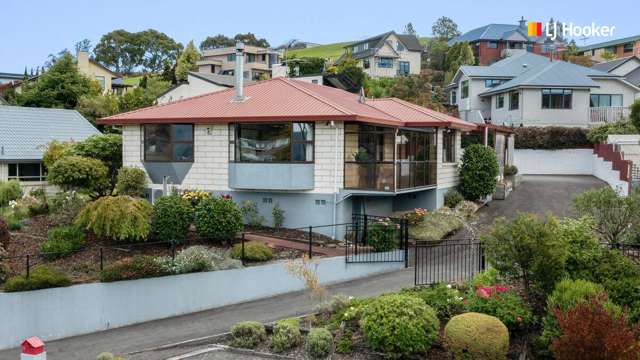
(330, 51)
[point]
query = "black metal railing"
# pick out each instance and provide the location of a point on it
(377, 239)
(447, 261)
(628, 250)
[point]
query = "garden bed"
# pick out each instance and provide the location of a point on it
(292, 235)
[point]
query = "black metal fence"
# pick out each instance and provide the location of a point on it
(630, 251)
(377, 239)
(447, 261)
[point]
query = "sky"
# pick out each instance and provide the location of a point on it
(33, 29)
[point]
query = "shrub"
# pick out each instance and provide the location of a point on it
(278, 216)
(37, 203)
(104, 147)
(444, 299)
(9, 191)
(488, 277)
(634, 116)
(5, 235)
(253, 251)
(319, 343)
(218, 219)
(40, 277)
(399, 325)
(479, 172)
(416, 216)
(195, 196)
(510, 170)
(590, 331)
(620, 277)
(476, 336)
(584, 248)
(599, 134)
(121, 218)
(196, 259)
(344, 341)
(248, 334)
(286, 335)
(550, 138)
(131, 181)
(382, 235)
(62, 241)
(56, 150)
(137, 267)
(452, 198)
(502, 303)
(436, 226)
(251, 214)
(172, 216)
(65, 206)
(77, 172)
(528, 250)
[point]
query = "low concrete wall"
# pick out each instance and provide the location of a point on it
(80, 309)
(554, 162)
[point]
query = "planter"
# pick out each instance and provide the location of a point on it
(502, 191)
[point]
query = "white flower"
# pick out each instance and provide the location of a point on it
(448, 286)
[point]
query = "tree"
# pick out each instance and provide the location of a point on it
(410, 30)
(250, 39)
(306, 66)
(60, 87)
(96, 107)
(445, 28)
(478, 172)
(608, 56)
(104, 147)
(215, 42)
(351, 69)
(80, 173)
(416, 89)
(119, 50)
(459, 54)
(158, 50)
(187, 61)
(83, 45)
(143, 96)
(635, 114)
(436, 54)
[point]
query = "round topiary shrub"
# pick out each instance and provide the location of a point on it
(399, 325)
(452, 198)
(77, 172)
(479, 172)
(476, 336)
(120, 218)
(248, 334)
(131, 181)
(319, 343)
(253, 251)
(172, 217)
(218, 219)
(286, 335)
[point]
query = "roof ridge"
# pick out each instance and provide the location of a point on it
(316, 96)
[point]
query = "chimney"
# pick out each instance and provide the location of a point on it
(239, 72)
(523, 22)
(361, 97)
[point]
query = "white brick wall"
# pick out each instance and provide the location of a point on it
(4, 171)
(448, 173)
(325, 157)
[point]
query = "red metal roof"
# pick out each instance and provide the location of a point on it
(287, 100)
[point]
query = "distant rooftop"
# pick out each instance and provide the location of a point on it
(609, 43)
(492, 32)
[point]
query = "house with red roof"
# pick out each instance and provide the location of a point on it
(321, 153)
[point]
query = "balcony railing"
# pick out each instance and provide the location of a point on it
(607, 114)
(389, 176)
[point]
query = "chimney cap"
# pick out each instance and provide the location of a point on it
(240, 46)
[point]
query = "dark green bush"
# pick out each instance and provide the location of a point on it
(319, 343)
(77, 172)
(120, 218)
(452, 198)
(382, 235)
(9, 190)
(278, 216)
(620, 277)
(444, 299)
(399, 325)
(104, 147)
(599, 134)
(344, 341)
(253, 251)
(40, 277)
(248, 334)
(634, 116)
(479, 172)
(476, 336)
(218, 219)
(550, 138)
(62, 241)
(584, 248)
(172, 216)
(510, 170)
(131, 181)
(137, 267)
(286, 335)
(507, 306)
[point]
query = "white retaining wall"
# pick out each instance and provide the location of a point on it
(80, 309)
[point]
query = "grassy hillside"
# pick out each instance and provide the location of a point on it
(330, 51)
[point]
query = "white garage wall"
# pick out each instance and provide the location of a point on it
(554, 162)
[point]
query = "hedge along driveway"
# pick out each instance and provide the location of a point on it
(80, 309)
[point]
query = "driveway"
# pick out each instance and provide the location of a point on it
(538, 194)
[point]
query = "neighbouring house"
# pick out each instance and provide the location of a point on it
(526, 89)
(493, 42)
(11, 81)
(296, 44)
(24, 134)
(6, 78)
(110, 82)
(321, 153)
(197, 84)
(258, 61)
(628, 67)
(620, 48)
(386, 55)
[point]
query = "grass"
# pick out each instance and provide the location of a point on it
(330, 51)
(133, 80)
(435, 227)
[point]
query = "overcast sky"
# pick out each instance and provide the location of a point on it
(34, 29)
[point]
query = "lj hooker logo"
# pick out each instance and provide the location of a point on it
(552, 30)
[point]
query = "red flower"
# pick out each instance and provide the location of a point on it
(484, 292)
(501, 288)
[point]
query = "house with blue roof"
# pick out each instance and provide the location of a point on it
(526, 89)
(620, 48)
(493, 42)
(24, 135)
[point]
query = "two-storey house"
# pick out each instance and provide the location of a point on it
(258, 61)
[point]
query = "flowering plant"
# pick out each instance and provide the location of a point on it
(416, 216)
(195, 196)
(502, 302)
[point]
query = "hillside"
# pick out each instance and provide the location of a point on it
(330, 51)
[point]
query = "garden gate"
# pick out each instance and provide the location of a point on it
(447, 261)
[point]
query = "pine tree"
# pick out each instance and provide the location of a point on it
(187, 61)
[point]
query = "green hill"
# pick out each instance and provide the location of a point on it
(329, 51)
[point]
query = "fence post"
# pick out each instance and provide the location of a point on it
(482, 258)
(364, 229)
(28, 266)
(101, 260)
(310, 242)
(405, 242)
(242, 255)
(173, 251)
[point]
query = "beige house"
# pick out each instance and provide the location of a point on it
(387, 55)
(258, 61)
(110, 82)
(620, 48)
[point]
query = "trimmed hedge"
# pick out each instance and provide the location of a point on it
(218, 219)
(172, 217)
(551, 138)
(253, 251)
(40, 277)
(248, 334)
(476, 336)
(319, 343)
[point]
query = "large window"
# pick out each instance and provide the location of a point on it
(500, 101)
(403, 68)
(556, 98)
(489, 83)
(27, 171)
(274, 142)
(464, 92)
(627, 47)
(416, 155)
(168, 143)
(101, 81)
(449, 146)
(384, 62)
(598, 100)
(492, 45)
(514, 100)
(251, 58)
(231, 57)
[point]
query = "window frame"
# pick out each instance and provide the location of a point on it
(499, 101)
(464, 89)
(492, 44)
(102, 81)
(30, 179)
(514, 105)
(449, 137)
(231, 57)
(233, 136)
(625, 48)
(170, 142)
(491, 83)
(366, 63)
(611, 96)
(387, 60)
(549, 102)
(402, 64)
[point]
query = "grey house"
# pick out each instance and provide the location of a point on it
(24, 134)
